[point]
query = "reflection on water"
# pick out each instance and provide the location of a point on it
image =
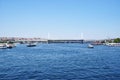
(60, 62)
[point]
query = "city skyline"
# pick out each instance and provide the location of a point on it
(62, 19)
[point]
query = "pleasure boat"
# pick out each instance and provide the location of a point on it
(3, 46)
(31, 45)
(90, 46)
(10, 45)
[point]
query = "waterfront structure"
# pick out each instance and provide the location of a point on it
(113, 44)
(39, 40)
(65, 41)
(2, 46)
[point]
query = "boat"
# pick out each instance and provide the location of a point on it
(10, 46)
(6, 45)
(31, 45)
(90, 46)
(3, 46)
(113, 44)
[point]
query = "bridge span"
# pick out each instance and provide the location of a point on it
(65, 41)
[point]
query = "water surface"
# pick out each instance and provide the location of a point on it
(60, 62)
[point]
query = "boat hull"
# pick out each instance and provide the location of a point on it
(31, 45)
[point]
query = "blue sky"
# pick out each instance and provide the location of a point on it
(62, 19)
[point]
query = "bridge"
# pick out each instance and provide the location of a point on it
(41, 40)
(65, 41)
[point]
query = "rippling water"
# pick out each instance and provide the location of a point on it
(60, 62)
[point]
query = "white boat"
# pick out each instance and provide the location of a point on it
(90, 46)
(3, 46)
(31, 44)
(113, 44)
(10, 45)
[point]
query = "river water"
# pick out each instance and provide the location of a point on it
(60, 62)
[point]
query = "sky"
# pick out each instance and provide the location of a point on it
(60, 19)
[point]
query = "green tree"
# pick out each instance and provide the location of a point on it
(117, 40)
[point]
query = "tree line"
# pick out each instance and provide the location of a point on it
(117, 40)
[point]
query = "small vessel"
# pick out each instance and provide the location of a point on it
(113, 44)
(90, 46)
(3, 46)
(6, 45)
(10, 45)
(31, 45)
